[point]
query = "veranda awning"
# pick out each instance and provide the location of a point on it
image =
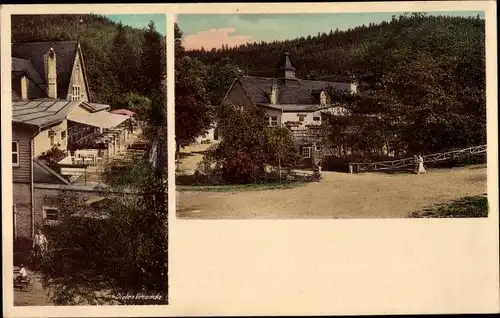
(101, 119)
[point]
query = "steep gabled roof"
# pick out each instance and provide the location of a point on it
(290, 91)
(65, 57)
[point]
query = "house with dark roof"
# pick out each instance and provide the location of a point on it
(290, 101)
(52, 108)
(53, 69)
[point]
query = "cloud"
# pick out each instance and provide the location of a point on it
(214, 38)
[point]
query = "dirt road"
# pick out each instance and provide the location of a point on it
(339, 195)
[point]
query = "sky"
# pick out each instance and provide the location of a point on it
(141, 21)
(214, 30)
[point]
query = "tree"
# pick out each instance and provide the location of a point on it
(141, 105)
(248, 147)
(117, 245)
(123, 61)
(220, 78)
(193, 115)
(152, 61)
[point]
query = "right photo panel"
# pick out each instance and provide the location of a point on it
(334, 115)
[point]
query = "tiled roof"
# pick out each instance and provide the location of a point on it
(292, 107)
(290, 91)
(335, 110)
(47, 111)
(65, 56)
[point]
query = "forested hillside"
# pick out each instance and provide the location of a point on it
(123, 64)
(366, 51)
(427, 75)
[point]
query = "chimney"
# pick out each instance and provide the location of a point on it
(286, 69)
(274, 93)
(24, 88)
(50, 73)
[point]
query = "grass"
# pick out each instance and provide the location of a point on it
(467, 207)
(240, 187)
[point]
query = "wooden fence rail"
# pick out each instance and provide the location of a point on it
(390, 165)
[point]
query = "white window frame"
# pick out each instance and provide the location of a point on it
(75, 93)
(45, 208)
(52, 137)
(271, 121)
(307, 153)
(16, 164)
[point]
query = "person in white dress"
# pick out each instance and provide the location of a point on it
(40, 243)
(420, 168)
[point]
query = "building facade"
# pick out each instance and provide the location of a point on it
(51, 108)
(291, 102)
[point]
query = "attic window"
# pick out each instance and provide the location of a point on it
(76, 93)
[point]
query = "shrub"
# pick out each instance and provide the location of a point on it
(248, 148)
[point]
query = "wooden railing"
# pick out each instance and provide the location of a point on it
(391, 165)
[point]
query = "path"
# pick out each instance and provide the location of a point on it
(190, 156)
(36, 297)
(340, 195)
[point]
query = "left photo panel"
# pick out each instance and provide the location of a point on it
(89, 159)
